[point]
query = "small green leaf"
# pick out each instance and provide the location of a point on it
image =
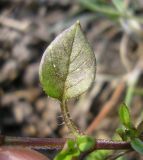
(137, 145)
(122, 133)
(71, 144)
(62, 155)
(124, 115)
(67, 68)
(98, 155)
(120, 5)
(69, 152)
(85, 143)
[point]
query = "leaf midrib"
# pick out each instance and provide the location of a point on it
(68, 64)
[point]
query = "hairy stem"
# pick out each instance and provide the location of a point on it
(68, 120)
(58, 143)
(34, 143)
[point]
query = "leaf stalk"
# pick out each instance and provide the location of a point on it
(68, 120)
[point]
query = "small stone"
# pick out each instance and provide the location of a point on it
(9, 71)
(30, 130)
(41, 104)
(21, 111)
(31, 77)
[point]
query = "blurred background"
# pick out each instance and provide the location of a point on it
(114, 29)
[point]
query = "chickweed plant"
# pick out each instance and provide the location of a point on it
(66, 71)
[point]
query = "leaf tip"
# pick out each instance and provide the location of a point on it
(78, 22)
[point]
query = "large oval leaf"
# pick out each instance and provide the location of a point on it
(67, 68)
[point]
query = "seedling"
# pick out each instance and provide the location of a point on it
(67, 70)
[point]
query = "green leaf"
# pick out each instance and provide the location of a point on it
(67, 68)
(98, 155)
(120, 5)
(70, 144)
(122, 133)
(85, 143)
(137, 145)
(124, 115)
(68, 153)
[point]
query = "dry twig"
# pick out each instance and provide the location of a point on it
(107, 107)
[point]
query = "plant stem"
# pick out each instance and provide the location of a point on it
(68, 120)
(34, 143)
(58, 143)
